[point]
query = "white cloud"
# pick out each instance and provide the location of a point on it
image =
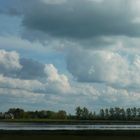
(56, 82)
(21, 96)
(87, 90)
(29, 85)
(9, 63)
(9, 60)
(23, 86)
(136, 20)
(110, 67)
(135, 6)
(54, 88)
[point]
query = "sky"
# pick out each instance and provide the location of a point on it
(60, 54)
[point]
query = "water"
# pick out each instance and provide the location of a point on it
(38, 126)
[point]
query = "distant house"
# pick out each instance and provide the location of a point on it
(8, 116)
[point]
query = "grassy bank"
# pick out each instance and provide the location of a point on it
(52, 121)
(70, 135)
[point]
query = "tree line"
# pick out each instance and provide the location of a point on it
(81, 113)
(115, 113)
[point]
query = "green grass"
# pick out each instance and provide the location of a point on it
(58, 121)
(30, 120)
(37, 120)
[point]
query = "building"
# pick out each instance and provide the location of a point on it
(8, 116)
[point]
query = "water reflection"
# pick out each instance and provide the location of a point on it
(37, 126)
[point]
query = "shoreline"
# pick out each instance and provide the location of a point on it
(74, 122)
(73, 132)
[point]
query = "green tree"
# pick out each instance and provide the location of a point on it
(112, 113)
(17, 112)
(117, 113)
(106, 113)
(61, 114)
(128, 113)
(122, 114)
(79, 112)
(138, 112)
(134, 112)
(51, 114)
(85, 113)
(102, 113)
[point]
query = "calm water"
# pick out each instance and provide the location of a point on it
(37, 126)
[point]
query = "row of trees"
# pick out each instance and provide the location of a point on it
(80, 114)
(21, 114)
(120, 113)
(109, 114)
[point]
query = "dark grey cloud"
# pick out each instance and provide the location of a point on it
(80, 18)
(31, 69)
(76, 19)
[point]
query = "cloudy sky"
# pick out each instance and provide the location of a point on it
(59, 54)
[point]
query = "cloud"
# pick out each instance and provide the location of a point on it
(100, 39)
(31, 69)
(28, 85)
(20, 91)
(17, 72)
(110, 67)
(88, 22)
(9, 62)
(29, 79)
(56, 82)
(79, 19)
(12, 42)
(54, 1)
(99, 84)
(19, 96)
(118, 97)
(12, 65)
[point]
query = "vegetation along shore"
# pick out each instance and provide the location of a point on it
(82, 115)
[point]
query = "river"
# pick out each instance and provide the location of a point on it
(43, 126)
